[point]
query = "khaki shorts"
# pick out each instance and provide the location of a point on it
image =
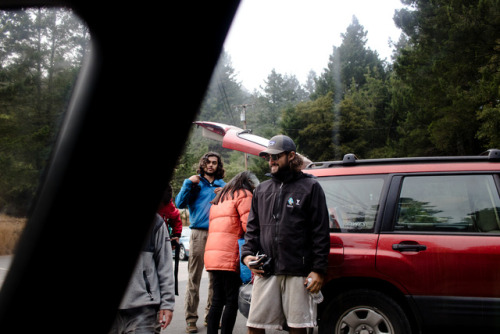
(281, 301)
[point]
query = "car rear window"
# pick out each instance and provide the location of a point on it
(352, 202)
(452, 203)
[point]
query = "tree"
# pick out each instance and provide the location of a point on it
(310, 85)
(280, 92)
(42, 51)
(221, 104)
(367, 106)
(450, 44)
(224, 93)
(350, 61)
(311, 125)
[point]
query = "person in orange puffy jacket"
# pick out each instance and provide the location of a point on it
(228, 220)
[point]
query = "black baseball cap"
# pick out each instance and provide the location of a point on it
(278, 144)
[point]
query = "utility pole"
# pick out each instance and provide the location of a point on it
(244, 120)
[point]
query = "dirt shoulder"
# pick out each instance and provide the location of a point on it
(10, 231)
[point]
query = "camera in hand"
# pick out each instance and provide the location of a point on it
(258, 262)
(263, 263)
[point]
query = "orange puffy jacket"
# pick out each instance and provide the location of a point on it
(228, 223)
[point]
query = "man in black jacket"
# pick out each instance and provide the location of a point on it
(288, 222)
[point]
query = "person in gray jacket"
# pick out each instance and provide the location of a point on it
(149, 300)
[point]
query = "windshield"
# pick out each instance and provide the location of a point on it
(377, 79)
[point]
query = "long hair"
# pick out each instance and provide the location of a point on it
(296, 163)
(219, 172)
(243, 180)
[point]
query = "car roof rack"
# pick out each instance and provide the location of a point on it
(350, 159)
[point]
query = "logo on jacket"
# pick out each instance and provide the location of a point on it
(291, 202)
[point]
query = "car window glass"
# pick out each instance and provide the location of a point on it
(253, 138)
(352, 202)
(41, 53)
(453, 203)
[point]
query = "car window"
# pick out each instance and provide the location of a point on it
(437, 102)
(452, 203)
(116, 134)
(253, 138)
(42, 52)
(352, 202)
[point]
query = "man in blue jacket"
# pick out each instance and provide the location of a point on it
(196, 194)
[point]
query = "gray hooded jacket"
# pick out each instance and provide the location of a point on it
(152, 282)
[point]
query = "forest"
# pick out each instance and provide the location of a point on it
(438, 95)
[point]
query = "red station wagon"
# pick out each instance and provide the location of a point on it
(415, 242)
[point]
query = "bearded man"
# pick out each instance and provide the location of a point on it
(288, 222)
(196, 194)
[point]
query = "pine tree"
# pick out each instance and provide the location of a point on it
(450, 45)
(42, 51)
(350, 61)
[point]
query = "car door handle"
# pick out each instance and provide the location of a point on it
(409, 247)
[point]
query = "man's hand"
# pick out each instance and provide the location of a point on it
(174, 241)
(195, 179)
(249, 258)
(165, 317)
(316, 282)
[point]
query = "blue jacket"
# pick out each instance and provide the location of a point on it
(197, 197)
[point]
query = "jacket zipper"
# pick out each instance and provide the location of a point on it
(278, 212)
(277, 217)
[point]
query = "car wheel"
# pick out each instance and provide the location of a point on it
(363, 311)
(182, 253)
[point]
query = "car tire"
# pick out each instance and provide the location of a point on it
(182, 253)
(363, 311)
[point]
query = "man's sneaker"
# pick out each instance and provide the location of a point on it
(191, 327)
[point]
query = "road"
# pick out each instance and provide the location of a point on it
(178, 324)
(4, 266)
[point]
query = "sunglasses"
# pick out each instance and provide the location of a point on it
(274, 157)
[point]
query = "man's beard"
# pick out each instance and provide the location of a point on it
(281, 172)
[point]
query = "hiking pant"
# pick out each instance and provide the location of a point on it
(196, 265)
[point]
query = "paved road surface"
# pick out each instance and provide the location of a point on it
(178, 324)
(4, 266)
